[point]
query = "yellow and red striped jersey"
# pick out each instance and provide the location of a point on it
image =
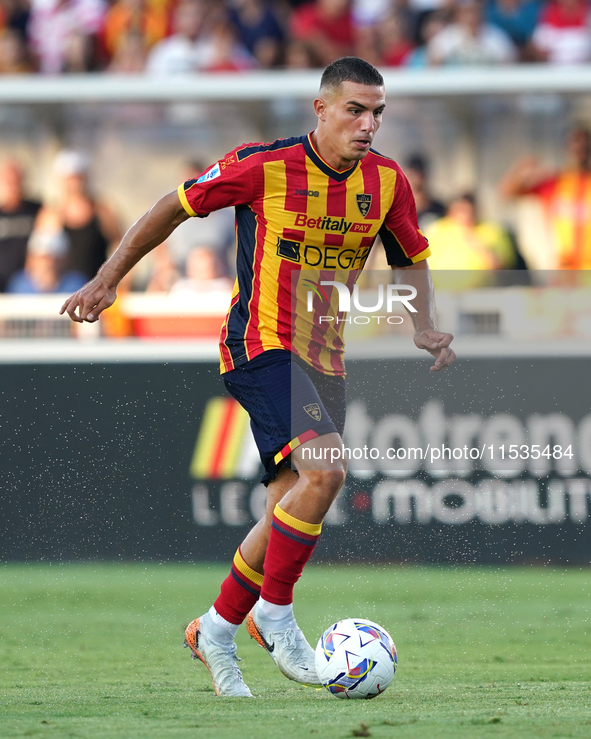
(294, 212)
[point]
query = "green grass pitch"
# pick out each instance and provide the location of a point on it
(94, 651)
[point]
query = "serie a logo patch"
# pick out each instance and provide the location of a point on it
(363, 203)
(313, 410)
(210, 175)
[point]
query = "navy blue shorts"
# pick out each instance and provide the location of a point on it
(288, 402)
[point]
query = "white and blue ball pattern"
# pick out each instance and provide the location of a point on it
(356, 658)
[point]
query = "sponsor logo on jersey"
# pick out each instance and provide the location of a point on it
(335, 257)
(308, 193)
(214, 172)
(229, 160)
(288, 249)
(326, 223)
(313, 410)
(326, 257)
(363, 203)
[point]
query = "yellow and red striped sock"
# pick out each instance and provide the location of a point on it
(239, 591)
(291, 544)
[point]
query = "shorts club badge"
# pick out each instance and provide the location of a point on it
(313, 410)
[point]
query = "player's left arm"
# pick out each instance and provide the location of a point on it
(427, 336)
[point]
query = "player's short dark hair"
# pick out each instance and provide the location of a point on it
(350, 69)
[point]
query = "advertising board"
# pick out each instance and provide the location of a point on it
(490, 462)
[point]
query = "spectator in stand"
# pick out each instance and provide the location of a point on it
(17, 220)
(225, 53)
(429, 27)
(45, 267)
(53, 22)
(468, 253)
(518, 19)
(200, 43)
(565, 196)
(563, 34)
(394, 40)
(299, 56)
(90, 224)
(163, 270)
(326, 27)
(15, 14)
(423, 10)
(470, 41)
(80, 54)
(370, 13)
(150, 18)
(258, 30)
(204, 272)
(383, 31)
(184, 51)
(291, 5)
(130, 54)
(366, 16)
(429, 209)
(14, 54)
(460, 241)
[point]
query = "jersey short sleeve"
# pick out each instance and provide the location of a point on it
(226, 183)
(403, 240)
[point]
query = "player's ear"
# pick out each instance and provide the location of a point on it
(320, 106)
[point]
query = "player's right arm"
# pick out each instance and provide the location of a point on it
(154, 227)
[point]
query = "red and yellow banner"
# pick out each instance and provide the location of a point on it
(220, 440)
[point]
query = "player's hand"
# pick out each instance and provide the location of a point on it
(90, 301)
(437, 344)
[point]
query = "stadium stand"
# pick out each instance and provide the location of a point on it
(54, 37)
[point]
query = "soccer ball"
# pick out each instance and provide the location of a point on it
(356, 658)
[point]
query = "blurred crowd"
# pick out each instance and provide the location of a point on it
(180, 36)
(56, 247)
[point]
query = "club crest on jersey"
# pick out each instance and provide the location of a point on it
(313, 410)
(363, 203)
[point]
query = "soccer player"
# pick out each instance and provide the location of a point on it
(316, 202)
